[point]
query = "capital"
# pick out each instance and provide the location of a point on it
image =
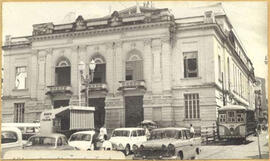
(165, 39)
(109, 45)
(147, 42)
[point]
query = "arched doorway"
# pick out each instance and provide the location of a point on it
(134, 104)
(99, 78)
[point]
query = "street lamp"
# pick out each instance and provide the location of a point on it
(87, 79)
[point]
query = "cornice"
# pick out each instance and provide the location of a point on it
(223, 38)
(99, 31)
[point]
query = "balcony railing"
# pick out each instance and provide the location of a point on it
(58, 89)
(98, 87)
(132, 84)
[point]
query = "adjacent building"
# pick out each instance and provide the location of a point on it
(149, 65)
(261, 105)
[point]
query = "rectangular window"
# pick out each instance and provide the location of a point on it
(18, 112)
(190, 64)
(99, 74)
(192, 106)
(21, 77)
(157, 114)
(134, 70)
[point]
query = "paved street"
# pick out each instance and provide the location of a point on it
(240, 151)
(235, 151)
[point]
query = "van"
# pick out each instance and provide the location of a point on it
(11, 138)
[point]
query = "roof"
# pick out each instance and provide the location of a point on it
(20, 124)
(133, 10)
(217, 9)
(85, 132)
(232, 107)
(54, 112)
(129, 128)
(5, 128)
(54, 135)
(171, 128)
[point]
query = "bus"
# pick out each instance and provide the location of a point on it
(235, 122)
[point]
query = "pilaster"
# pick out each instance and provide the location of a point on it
(156, 52)
(119, 65)
(147, 64)
(166, 72)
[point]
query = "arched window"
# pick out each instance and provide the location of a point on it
(62, 72)
(100, 70)
(134, 67)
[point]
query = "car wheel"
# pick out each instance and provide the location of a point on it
(197, 151)
(181, 155)
(127, 150)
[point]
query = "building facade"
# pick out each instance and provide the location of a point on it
(261, 105)
(149, 65)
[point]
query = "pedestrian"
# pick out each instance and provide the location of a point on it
(147, 133)
(103, 133)
(96, 139)
(192, 131)
(106, 145)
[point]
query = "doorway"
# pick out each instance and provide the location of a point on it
(133, 110)
(99, 115)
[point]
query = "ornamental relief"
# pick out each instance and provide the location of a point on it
(165, 39)
(113, 103)
(147, 42)
(157, 101)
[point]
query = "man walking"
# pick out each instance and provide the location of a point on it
(192, 131)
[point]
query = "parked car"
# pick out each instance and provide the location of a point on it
(11, 138)
(82, 140)
(124, 139)
(48, 141)
(27, 129)
(168, 143)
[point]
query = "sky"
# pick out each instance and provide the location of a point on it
(249, 19)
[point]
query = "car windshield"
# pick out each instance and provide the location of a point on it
(80, 137)
(123, 133)
(42, 141)
(161, 134)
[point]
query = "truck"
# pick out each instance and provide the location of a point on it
(67, 120)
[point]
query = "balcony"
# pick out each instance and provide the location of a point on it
(132, 85)
(55, 90)
(98, 87)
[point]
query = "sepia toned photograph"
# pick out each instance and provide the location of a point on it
(136, 80)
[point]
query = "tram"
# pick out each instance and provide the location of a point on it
(235, 122)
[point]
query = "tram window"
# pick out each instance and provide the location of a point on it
(231, 114)
(222, 118)
(240, 118)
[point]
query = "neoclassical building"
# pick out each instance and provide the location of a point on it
(149, 65)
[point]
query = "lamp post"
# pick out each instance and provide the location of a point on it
(87, 79)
